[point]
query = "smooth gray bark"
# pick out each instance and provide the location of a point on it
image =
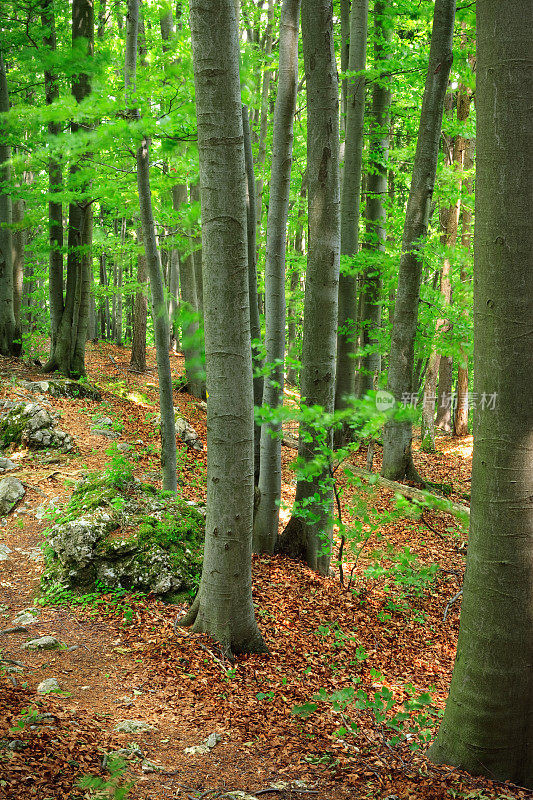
(68, 347)
(8, 331)
(488, 721)
(223, 606)
(189, 306)
(153, 264)
(267, 518)
(140, 314)
(397, 436)
(376, 194)
(255, 327)
(443, 420)
(350, 205)
(460, 421)
(197, 255)
(310, 538)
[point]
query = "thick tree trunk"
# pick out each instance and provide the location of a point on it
(397, 437)
(350, 205)
(487, 725)
(9, 336)
(313, 534)
(223, 607)
(267, 518)
(68, 347)
(376, 193)
(153, 264)
(140, 315)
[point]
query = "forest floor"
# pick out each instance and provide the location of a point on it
(391, 634)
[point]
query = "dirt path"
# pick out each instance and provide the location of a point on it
(119, 667)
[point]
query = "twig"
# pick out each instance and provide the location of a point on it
(452, 601)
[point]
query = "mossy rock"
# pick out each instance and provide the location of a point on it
(64, 387)
(127, 536)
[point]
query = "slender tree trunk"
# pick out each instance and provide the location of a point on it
(223, 606)
(197, 256)
(140, 315)
(19, 246)
(376, 231)
(267, 519)
(350, 205)
(68, 345)
(460, 422)
(119, 262)
(9, 335)
(295, 280)
(255, 327)
(487, 725)
(444, 396)
(263, 124)
(174, 299)
(311, 537)
(153, 264)
(189, 306)
(397, 438)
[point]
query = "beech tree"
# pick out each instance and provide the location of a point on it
(223, 606)
(397, 455)
(309, 536)
(153, 264)
(487, 722)
(350, 202)
(8, 334)
(266, 523)
(70, 311)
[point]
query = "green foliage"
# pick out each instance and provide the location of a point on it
(115, 787)
(413, 725)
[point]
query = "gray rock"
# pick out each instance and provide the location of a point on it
(123, 447)
(49, 685)
(203, 748)
(184, 431)
(42, 643)
(4, 552)
(11, 490)
(105, 432)
(24, 618)
(32, 425)
(74, 542)
(133, 726)
(103, 421)
(5, 464)
(63, 388)
(16, 745)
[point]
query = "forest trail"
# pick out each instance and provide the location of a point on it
(125, 662)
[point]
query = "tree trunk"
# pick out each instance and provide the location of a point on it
(255, 327)
(267, 519)
(313, 534)
(295, 281)
(263, 124)
(68, 348)
(55, 185)
(153, 264)
(197, 256)
(140, 315)
(350, 205)
(376, 231)
(119, 261)
(223, 607)
(9, 335)
(189, 310)
(487, 725)
(444, 396)
(460, 422)
(397, 455)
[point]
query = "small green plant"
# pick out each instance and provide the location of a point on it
(115, 787)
